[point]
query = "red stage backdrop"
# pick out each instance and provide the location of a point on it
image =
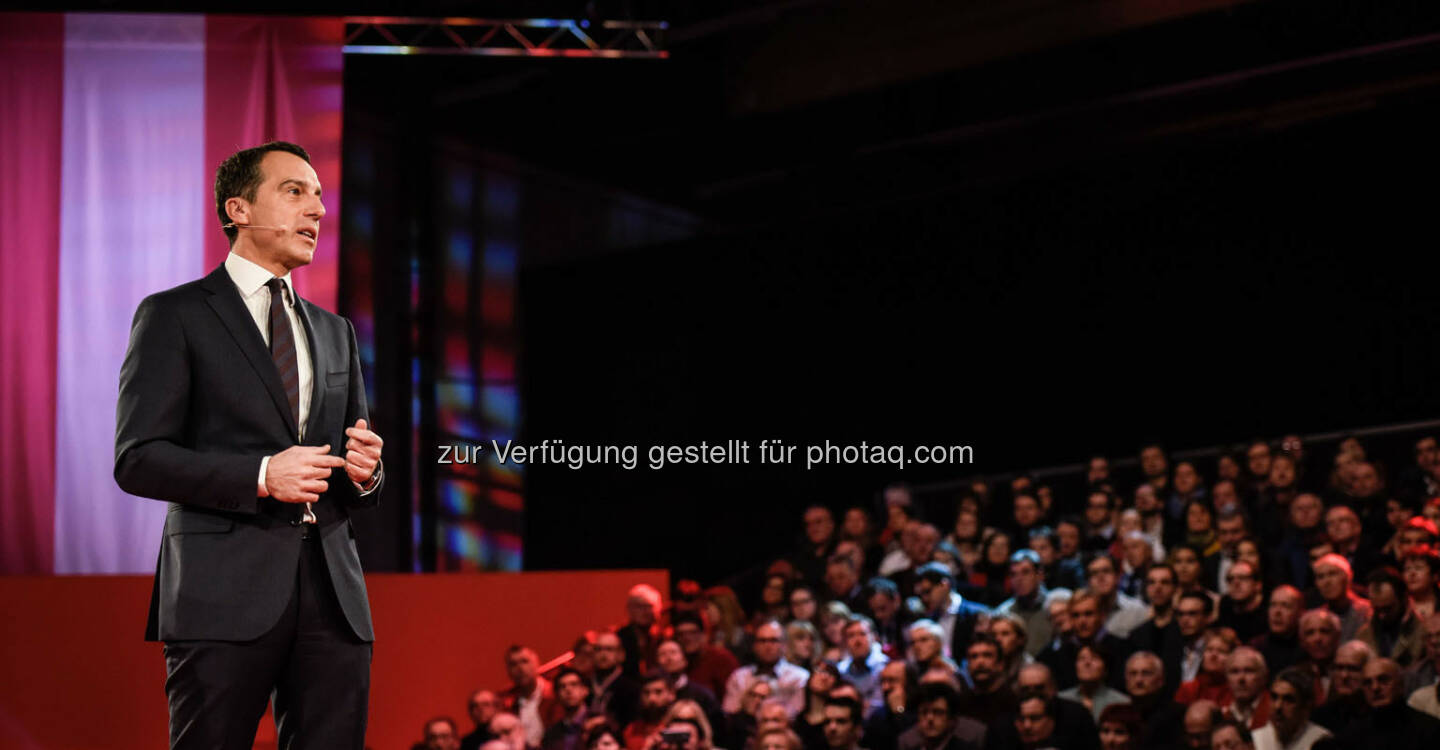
(77, 674)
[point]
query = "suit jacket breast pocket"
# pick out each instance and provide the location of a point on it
(337, 379)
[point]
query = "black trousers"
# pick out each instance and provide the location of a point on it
(311, 663)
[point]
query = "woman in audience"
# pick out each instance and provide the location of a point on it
(966, 536)
(1120, 727)
(1422, 573)
(803, 605)
(1210, 683)
(833, 621)
(802, 643)
(992, 569)
(810, 724)
(1190, 574)
(603, 736)
(1010, 634)
(1092, 692)
(773, 602)
(727, 621)
(688, 710)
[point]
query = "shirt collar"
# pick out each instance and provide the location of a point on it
(249, 277)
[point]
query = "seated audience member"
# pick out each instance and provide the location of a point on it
(918, 543)
(602, 736)
(1068, 550)
(1393, 630)
(1343, 528)
(1200, 718)
(1281, 643)
(927, 647)
(1162, 717)
(898, 683)
(657, 695)
(1391, 724)
(1210, 683)
(941, 604)
(810, 724)
(802, 643)
(834, 616)
(772, 713)
(1035, 725)
(530, 696)
(939, 725)
(1120, 726)
(1160, 633)
(1192, 614)
(508, 732)
(741, 725)
(1136, 555)
(1085, 627)
(613, 692)
(1248, 680)
(1292, 697)
(818, 544)
(1072, 720)
(1319, 638)
(670, 657)
(1344, 701)
(1121, 613)
(1229, 734)
(1009, 632)
(891, 618)
(1304, 526)
(572, 692)
(1190, 574)
(1242, 609)
(708, 665)
(482, 708)
(1426, 672)
(842, 583)
(1030, 603)
(778, 739)
(640, 635)
(1099, 521)
(1422, 578)
(769, 665)
(863, 660)
(1231, 526)
(1092, 692)
(990, 696)
(441, 733)
(1058, 573)
(843, 728)
(690, 712)
(1333, 581)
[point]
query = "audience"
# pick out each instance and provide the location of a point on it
(1253, 601)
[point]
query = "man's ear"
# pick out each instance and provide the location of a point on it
(238, 209)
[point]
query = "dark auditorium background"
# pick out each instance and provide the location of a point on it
(1046, 229)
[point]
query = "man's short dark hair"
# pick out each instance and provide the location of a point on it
(239, 176)
(881, 585)
(680, 617)
(1036, 694)
(1174, 578)
(567, 671)
(849, 704)
(859, 619)
(454, 728)
(984, 639)
(1388, 574)
(935, 573)
(1302, 681)
(1199, 596)
(1049, 534)
(658, 675)
(932, 691)
(1240, 727)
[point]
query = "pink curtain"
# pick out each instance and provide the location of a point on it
(32, 48)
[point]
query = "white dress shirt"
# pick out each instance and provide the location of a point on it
(250, 280)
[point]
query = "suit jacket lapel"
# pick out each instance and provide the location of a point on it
(225, 300)
(317, 362)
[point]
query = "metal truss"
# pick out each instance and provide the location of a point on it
(527, 37)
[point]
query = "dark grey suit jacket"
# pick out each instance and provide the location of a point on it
(201, 402)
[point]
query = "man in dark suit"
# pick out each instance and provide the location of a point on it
(242, 406)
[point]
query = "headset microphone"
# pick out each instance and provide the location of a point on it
(233, 225)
